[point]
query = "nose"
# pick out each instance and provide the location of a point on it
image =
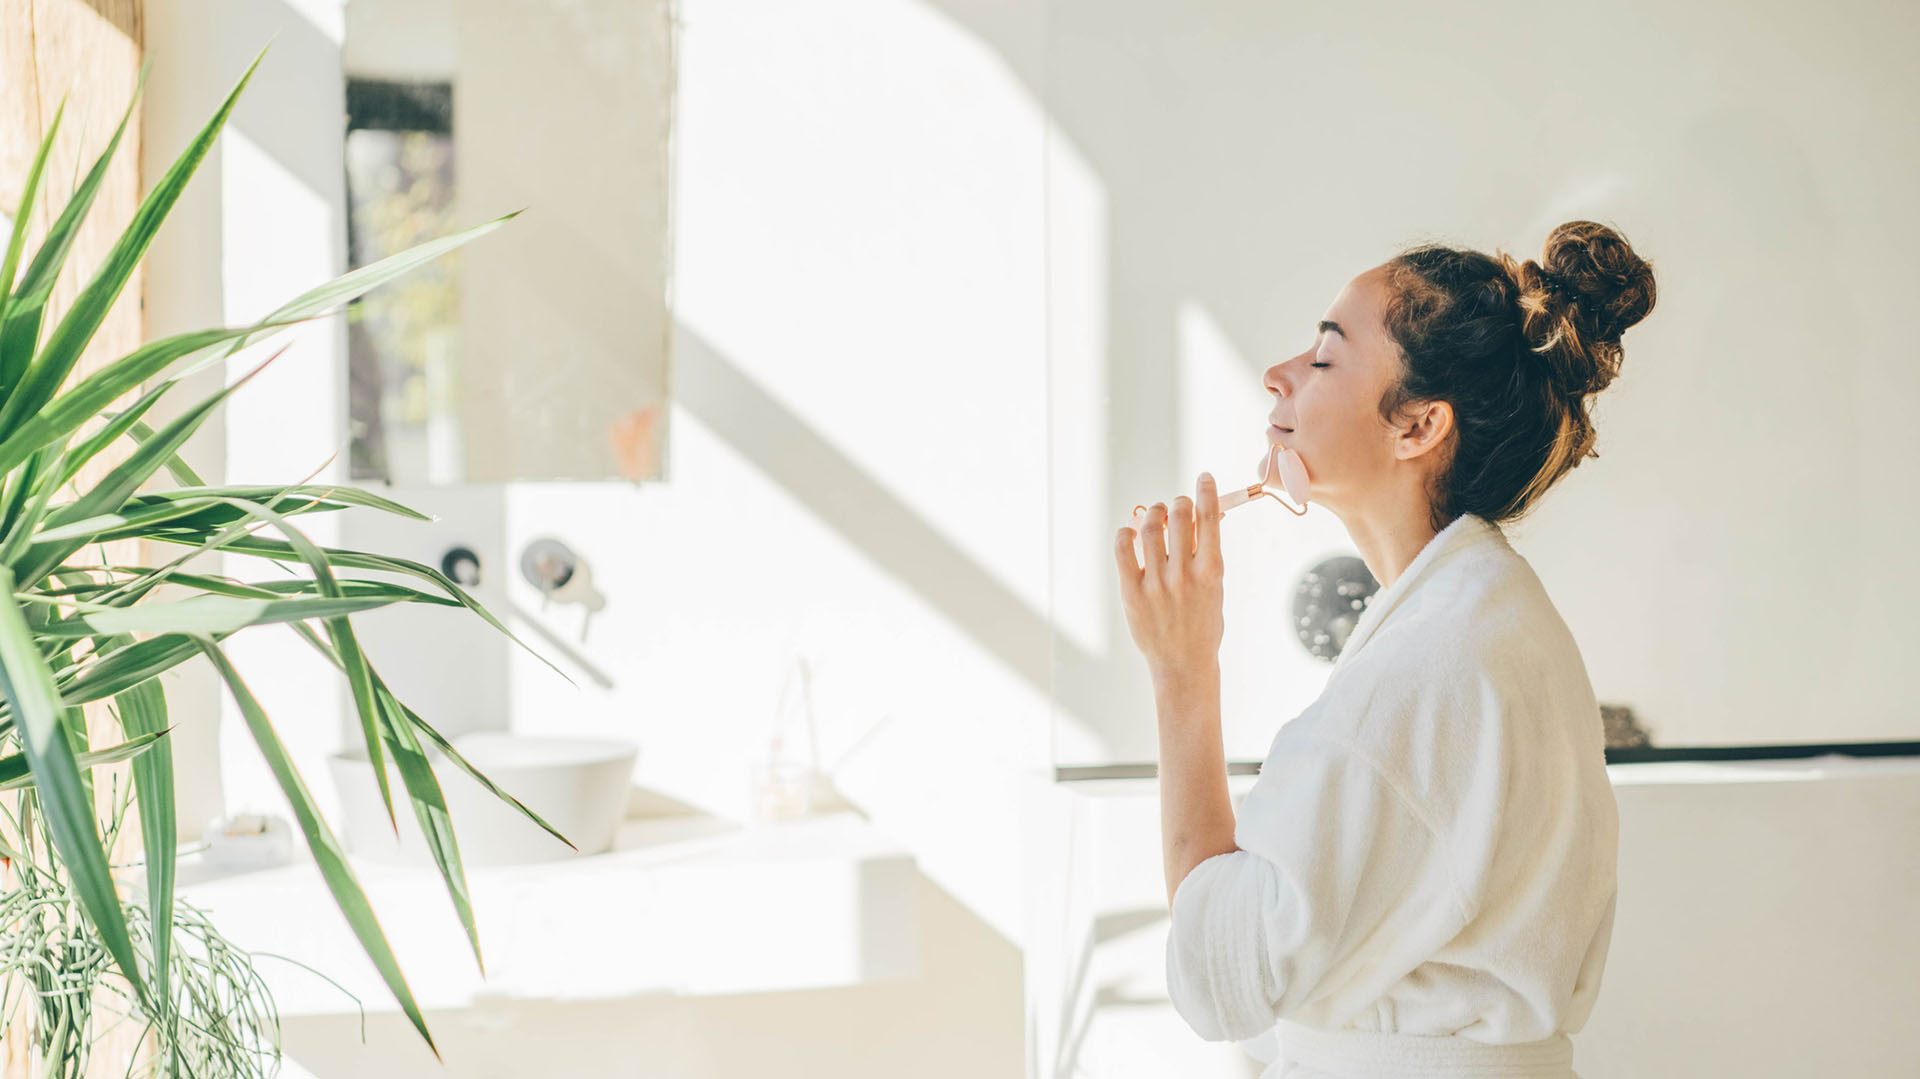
(1279, 378)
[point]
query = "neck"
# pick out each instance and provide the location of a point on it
(1389, 539)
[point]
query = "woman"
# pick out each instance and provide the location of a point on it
(1421, 881)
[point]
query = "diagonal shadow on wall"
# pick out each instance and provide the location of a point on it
(872, 521)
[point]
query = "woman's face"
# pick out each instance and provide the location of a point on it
(1330, 396)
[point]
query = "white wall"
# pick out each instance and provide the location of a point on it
(1221, 169)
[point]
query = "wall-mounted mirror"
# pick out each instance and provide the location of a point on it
(540, 352)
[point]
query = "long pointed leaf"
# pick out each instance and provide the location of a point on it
(139, 517)
(176, 465)
(29, 689)
(30, 514)
(363, 695)
(364, 704)
(119, 485)
(327, 852)
(439, 740)
(112, 671)
(430, 809)
(135, 523)
(21, 484)
(200, 508)
(127, 667)
(109, 432)
(10, 365)
(338, 556)
(208, 614)
(355, 496)
(312, 304)
(363, 280)
(143, 714)
(466, 766)
(71, 410)
(49, 369)
(269, 589)
(152, 577)
(135, 663)
(16, 773)
(423, 787)
(74, 722)
(21, 330)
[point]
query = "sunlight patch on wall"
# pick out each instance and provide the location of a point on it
(1085, 512)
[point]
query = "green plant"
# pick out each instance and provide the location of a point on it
(74, 631)
(223, 1021)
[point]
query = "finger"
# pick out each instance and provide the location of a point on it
(1123, 553)
(1210, 514)
(1180, 532)
(1153, 539)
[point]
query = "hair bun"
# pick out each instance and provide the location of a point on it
(1587, 289)
(1596, 270)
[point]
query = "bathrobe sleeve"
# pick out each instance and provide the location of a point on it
(1339, 888)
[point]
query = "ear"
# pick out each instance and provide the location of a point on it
(1429, 430)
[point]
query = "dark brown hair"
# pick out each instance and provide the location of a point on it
(1516, 348)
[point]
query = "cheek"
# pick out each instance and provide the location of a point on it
(1338, 430)
(1329, 416)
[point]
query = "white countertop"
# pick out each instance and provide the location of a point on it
(681, 905)
(1827, 766)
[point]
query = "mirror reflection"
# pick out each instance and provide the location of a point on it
(541, 353)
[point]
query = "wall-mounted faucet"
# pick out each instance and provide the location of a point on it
(561, 576)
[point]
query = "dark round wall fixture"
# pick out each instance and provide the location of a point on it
(1328, 602)
(462, 565)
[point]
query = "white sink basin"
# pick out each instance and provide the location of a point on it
(578, 785)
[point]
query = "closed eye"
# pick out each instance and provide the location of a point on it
(1321, 365)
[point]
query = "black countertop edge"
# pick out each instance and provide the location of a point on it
(1615, 755)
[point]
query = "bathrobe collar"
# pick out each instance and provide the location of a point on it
(1466, 530)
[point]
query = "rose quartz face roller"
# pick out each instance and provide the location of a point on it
(1292, 474)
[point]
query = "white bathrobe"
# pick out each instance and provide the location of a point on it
(1429, 848)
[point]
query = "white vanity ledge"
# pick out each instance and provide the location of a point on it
(681, 906)
(1825, 766)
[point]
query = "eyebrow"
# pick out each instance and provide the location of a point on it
(1328, 324)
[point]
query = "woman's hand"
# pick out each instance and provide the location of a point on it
(1173, 603)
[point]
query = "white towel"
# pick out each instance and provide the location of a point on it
(1430, 846)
